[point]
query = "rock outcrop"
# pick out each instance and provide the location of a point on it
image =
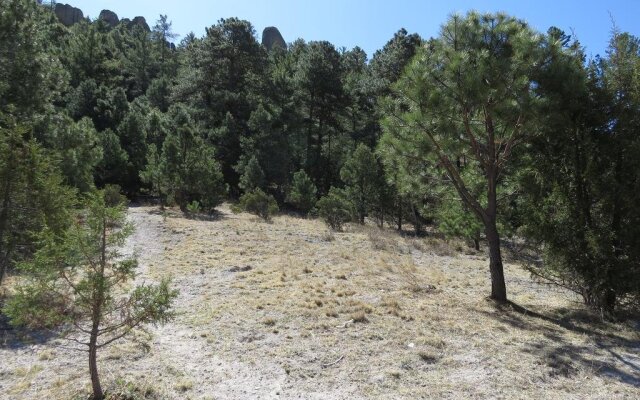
(68, 15)
(140, 21)
(137, 21)
(271, 38)
(109, 17)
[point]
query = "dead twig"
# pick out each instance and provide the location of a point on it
(345, 324)
(333, 363)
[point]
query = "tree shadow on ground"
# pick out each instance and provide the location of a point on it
(16, 338)
(519, 251)
(168, 213)
(565, 358)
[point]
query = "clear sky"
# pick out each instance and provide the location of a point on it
(371, 23)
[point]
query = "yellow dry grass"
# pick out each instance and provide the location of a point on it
(367, 314)
(408, 316)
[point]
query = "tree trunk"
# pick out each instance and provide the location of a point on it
(608, 296)
(362, 209)
(400, 215)
(476, 244)
(498, 287)
(4, 216)
(417, 225)
(93, 364)
(96, 316)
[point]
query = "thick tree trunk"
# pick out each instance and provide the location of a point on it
(93, 364)
(498, 287)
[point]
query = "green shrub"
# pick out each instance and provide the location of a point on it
(259, 203)
(335, 209)
(194, 207)
(303, 192)
(252, 176)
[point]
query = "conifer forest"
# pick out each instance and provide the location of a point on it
(234, 216)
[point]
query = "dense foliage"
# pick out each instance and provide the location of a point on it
(259, 203)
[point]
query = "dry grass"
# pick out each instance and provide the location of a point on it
(184, 385)
(406, 318)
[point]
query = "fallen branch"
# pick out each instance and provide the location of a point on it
(345, 324)
(333, 363)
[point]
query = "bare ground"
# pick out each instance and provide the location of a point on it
(288, 310)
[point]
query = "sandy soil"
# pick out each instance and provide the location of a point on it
(288, 310)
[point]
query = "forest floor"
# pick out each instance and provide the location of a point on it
(289, 310)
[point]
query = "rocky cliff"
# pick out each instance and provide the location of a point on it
(141, 22)
(68, 15)
(109, 17)
(272, 37)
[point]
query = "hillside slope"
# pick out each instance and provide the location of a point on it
(288, 310)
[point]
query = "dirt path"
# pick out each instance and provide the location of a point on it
(177, 346)
(180, 347)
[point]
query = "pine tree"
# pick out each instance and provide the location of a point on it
(162, 35)
(258, 202)
(32, 195)
(335, 209)
(187, 166)
(457, 99)
(362, 176)
(303, 193)
(74, 278)
(31, 74)
(320, 93)
(252, 177)
(582, 208)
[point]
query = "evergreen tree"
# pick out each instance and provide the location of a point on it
(112, 168)
(267, 142)
(83, 100)
(388, 63)
(457, 99)
(162, 35)
(31, 75)
(153, 175)
(32, 195)
(139, 61)
(455, 220)
(362, 177)
(258, 202)
(77, 146)
(335, 209)
(222, 78)
(361, 120)
(582, 176)
(133, 139)
(74, 278)
(252, 177)
(187, 165)
(109, 108)
(320, 92)
(303, 193)
(90, 54)
(159, 94)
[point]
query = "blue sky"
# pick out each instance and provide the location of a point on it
(370, 23)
